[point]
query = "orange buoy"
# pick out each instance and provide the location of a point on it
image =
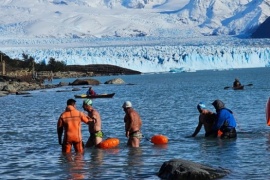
(159, 139)
(109, 143)
(220, 133)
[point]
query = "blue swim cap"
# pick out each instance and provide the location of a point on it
(201, 106)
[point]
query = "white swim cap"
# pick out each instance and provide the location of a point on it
(127, 104)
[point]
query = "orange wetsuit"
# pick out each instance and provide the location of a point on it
(70, 122)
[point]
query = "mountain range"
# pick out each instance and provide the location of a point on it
(130, 18)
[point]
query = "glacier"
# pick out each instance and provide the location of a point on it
(147, 55)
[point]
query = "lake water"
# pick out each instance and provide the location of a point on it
(167, 105)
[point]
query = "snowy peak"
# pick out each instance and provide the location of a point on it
(129, 18)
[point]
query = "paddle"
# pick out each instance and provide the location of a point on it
(228, 87)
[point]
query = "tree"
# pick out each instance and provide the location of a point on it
(56, 65)
(29, 62)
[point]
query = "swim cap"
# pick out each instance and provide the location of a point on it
(201, 106)
(127, 104)
(88, 102)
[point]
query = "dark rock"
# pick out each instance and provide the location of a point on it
(263, 31)
(65, 90)
(21, 93)
(85, 82)
(179, 169)
(63, 84)
(76, 89)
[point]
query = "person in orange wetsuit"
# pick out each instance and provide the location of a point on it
(133, 125)
(69, 122)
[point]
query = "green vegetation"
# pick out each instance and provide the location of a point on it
(28, 62)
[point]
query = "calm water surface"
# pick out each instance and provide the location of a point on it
(167, 104)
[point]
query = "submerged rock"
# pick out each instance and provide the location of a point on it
(22, 92)
(179, 169)
(76, 89)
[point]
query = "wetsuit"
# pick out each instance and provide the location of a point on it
(70, 122)
(225, 123)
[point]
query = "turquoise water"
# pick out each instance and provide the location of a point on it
(167, 104)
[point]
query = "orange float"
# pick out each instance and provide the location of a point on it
(109, 143)
(159, 139)
(220, 133)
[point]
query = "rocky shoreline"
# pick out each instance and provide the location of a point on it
(21, 81)
(9, 85)
(15, 87)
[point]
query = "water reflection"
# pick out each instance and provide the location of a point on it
(161, 146)
(75, 165)
(268, 141)
(96, 162)
(134, 162)
(97, 156)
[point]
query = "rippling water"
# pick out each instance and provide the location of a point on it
(167, 104)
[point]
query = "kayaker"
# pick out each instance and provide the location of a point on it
(133, 125)
(226, 122)
(206, 119)
(91, 92)
(94, 126)
(69, 122)
(236, 83)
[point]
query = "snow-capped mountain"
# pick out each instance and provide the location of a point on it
(144, 35)
(126, 18)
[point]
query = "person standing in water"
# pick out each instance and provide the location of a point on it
(94, 127)
(133, 124)
(69, 122)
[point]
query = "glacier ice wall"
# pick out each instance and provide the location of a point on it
(153, 57)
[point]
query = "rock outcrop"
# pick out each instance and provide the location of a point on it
(263, 31)
(115, 81)
(85, 82)
(180, 169)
